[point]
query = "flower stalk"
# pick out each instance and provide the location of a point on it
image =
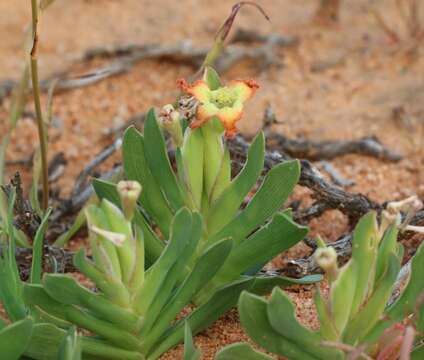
(37, 103)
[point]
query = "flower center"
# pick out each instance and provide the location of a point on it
(222, 97)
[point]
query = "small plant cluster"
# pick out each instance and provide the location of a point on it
(172, 237)
(357, 320)
(181, 239)
(164, 239)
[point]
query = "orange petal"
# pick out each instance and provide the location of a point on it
(245, 89)
(229, 117)
(199, 89)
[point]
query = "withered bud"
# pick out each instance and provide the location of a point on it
(129, 192)
(169, 120)
(188, 107)
(408, 206)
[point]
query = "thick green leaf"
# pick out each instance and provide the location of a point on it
(281, 316)
(103, 350)
(158, 161)
(224, 176)
(254, 319)
(105, 329)
(35, 295)
(113, 289)
(204, 269)
(137, 168)
(274, 191)
(364, 253)
(190, 351)
(70, 348)
(193, 157)
(223, 300)
(152, 244)
(213, 150)
(277, 236)
(163, 298)
(68, 291)
(406, 303)
(181, 228)
(106, 190)
(226, 206)
(342, 293)
(37, 250)
(387, 246)
(240, 351)
(45, 342)
(264, 284)
(372, 311)
(327, 328)
(10, 282)
(15, 338)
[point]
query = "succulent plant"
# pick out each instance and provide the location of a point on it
(356, 315)
(201, 181)
(133, 311)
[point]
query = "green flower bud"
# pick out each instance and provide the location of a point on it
(326, 259)
(129, 192)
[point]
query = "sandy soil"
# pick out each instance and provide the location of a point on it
(342, 82)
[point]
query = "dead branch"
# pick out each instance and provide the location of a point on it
(323, 150)
(55, 260)
(82, 179)
(335, 175)
(327, 150)
(56, 166)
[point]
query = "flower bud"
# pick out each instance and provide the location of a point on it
(129, 192)
(169, 120)
(326, 259)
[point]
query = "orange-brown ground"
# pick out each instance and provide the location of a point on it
(364, 82)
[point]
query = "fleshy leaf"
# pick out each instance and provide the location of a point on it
(239, 351)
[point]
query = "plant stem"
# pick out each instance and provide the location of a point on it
(36, 93)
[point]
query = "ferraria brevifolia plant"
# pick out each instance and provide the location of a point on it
(357, 321)
(132, 314)
(202, 182)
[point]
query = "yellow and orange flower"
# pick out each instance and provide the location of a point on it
(226, 102)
